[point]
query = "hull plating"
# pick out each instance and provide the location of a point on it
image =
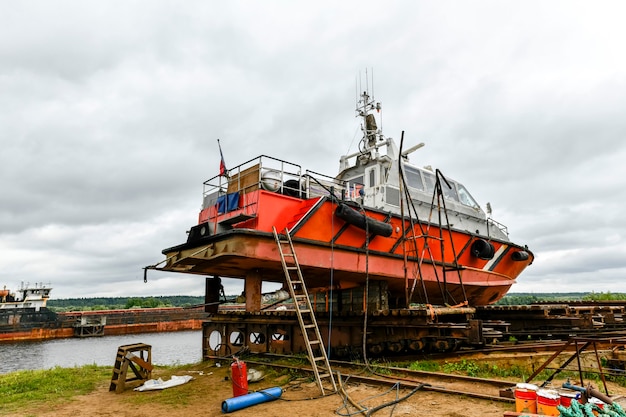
(441, 266)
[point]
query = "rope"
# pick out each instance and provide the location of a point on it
(431, 310)
(462, 304)
(587, 410)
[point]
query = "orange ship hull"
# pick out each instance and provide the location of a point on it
(421, 262)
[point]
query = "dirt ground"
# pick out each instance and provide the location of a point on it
(211, 385)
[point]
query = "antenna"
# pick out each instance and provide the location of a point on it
(369, 85)
(367, 81)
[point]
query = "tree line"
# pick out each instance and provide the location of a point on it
(120, 303)
(530, 298)
(117, 303)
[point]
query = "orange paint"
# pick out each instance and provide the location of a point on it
(323, 242)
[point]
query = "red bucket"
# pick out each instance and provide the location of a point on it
(239, 375)
(567, 397)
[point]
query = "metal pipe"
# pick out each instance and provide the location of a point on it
(411, 149)
(589, 392)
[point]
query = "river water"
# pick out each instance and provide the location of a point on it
(169, 348)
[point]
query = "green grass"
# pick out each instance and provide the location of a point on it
(483, 369)
(54, 386)
(429, 366)
(32, 390)
(49, 386)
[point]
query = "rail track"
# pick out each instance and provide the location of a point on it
(387, 376)
(498, 390)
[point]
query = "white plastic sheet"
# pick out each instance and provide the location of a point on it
(154, 384)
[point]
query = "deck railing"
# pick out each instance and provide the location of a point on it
(275, 175)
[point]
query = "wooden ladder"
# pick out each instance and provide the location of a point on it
(306, 316)
(140, 365)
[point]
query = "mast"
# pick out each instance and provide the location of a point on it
(371, 134)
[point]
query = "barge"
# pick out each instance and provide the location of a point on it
(24, 316)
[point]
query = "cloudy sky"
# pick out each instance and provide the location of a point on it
(110, 114)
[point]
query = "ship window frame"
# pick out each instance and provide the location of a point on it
(372, 175)
(354, 186)
(450, 193)
(429, 181)
(411, 174)
(463, 192)
(356, 180)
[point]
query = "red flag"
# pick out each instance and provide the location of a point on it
(223, 170)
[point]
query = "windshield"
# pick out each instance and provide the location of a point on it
(429, 179)
(425, 181)
(413, 178)
(465, 197)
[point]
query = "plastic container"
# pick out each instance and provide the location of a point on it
(568, 396)
(526, 398)
(239, 375)
(599, 403)
(547, 401)
(270, 180)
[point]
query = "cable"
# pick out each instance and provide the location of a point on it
(367, 286)
(366, 411)
(346, 398)
(396, 401)
(332, 270)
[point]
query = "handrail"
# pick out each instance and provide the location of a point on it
(259, 172)
(499, 225)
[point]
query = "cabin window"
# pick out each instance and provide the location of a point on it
(413, 178)
(465, 197)
(429, 179)
(355, 185)
(356, 180)
(449, 192)
(371, 177)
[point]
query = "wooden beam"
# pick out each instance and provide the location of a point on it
(139, 361)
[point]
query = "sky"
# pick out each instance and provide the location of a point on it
(110, 114)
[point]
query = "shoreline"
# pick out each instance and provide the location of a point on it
(99, 323)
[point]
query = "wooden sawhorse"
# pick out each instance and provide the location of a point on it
(137, 357)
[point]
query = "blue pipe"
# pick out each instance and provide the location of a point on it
(243, 401)
(569, 385)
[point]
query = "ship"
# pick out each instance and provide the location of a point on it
(26, 309)
(28, 297)
(25, 316)
(413, 233)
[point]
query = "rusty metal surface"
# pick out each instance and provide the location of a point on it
(406, 331)
(279, 332)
